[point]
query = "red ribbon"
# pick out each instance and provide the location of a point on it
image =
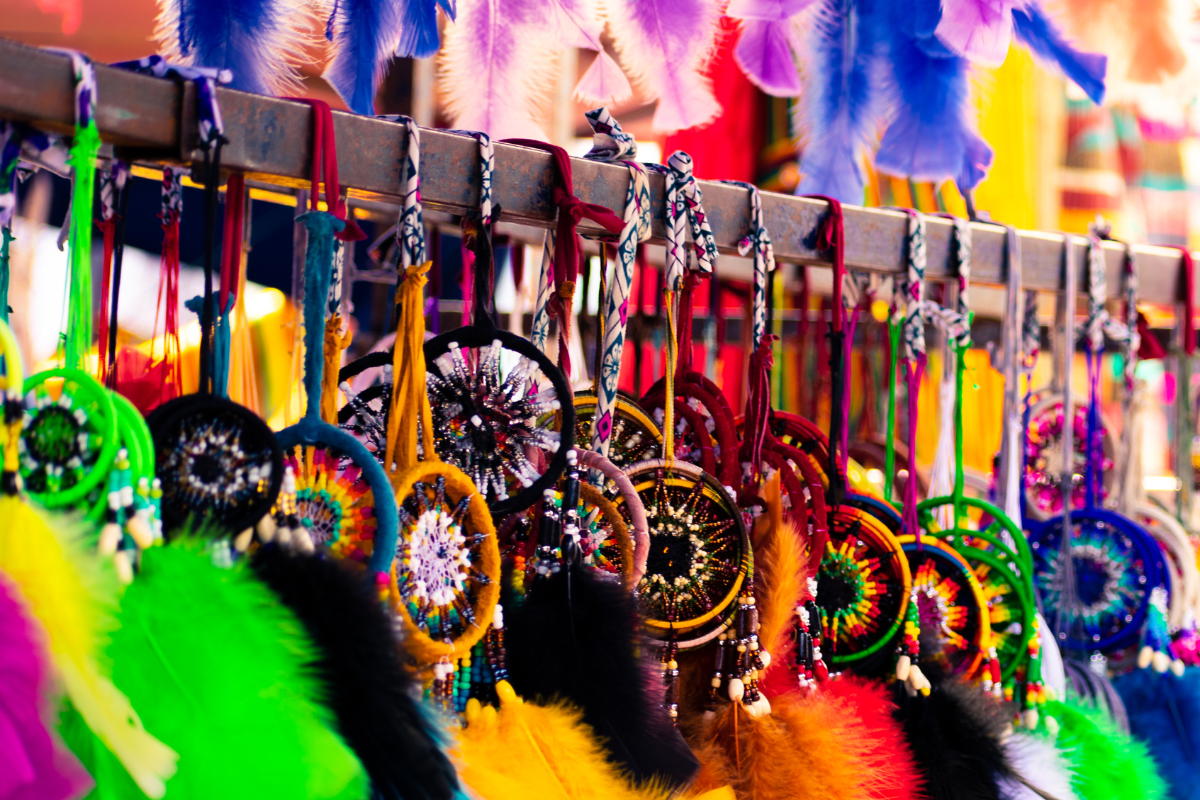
(108, 227)
(758, 405)
(832, 236)
(571, 210)
(231, 242)
(1189, 293)
(324, 160)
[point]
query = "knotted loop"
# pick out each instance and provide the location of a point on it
(325, 163)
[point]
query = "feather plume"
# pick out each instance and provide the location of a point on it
(929, 135)
(575, 638)
(494, 73)
(889, 770)
(764, 49)
(758, 754)
(978, 30)
(580, 24)
(368, 688)
(781, 576)
(33, 763)
(842, 102)
(1040, 767)
(259, 41)
(1108, 764)
(1164, 712)
(527, 750)
(224, 671)
(366, 34)
(665, 45)
(956, 735)
(73, 596)
(1037, 31)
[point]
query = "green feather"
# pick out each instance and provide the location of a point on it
(221, 671)
(1108, 764)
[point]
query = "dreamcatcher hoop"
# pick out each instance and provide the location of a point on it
(634, 436)
(639, 525)
(1043, 435)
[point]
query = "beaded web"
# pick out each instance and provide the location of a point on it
(949, 604)
(63, 438)
(1043, 449)
(492, 409)
(440, 565)
(333, 501)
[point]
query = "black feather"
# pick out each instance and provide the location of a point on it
(576, 637)
(369, 689)
(956, 735)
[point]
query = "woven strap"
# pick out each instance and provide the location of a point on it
(685, 208)
(410, 233)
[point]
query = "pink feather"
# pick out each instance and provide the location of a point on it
(580, 24)
(665, 45)
(33, 764)
(764, 53)
(498, 66)
(978, 30)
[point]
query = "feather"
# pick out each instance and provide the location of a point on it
(526, 750)
(217, 665)
(757, 755)
(1038, 764)
(1164, 712)
(368, 688)
(781, 578)
(366, 34)
(71, 594)
(574, 638)
(956, 735)
(842, 102)
(33, 763)
(1108, 764)
(665, 45)
(889, 770)
(929, 136)
(259, 41)
(1037, 31)
(580, 24)
(978, 30)
(494, 71)
(764, 49)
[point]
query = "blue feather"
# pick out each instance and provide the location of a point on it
(842, 106)
(1164, 712)
(367, 34)
(929, 136)
(250, 38)
(1038, 32)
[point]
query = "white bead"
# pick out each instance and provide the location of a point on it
(736, 690)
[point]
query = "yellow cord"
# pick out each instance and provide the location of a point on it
(672, 359)
(410, 400)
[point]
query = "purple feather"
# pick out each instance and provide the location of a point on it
(257, 40)
(978, 30)
(841, 108)
(764, 52)
(667, 43)
(367, 34)
(1038, 32)
(33, 765)
(579, 24)
(929, 136)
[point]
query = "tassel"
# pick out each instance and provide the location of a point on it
(575, 639)
(665, 45)
(224, 673)
(84, 148)
(526, 750)
(259, 41)
(1108, 764)
(33, 763)
(1164, 712)
(70, 593)
(497, 60)
(368, 688)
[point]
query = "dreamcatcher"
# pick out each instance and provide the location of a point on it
(342, 498)
(1096, 584)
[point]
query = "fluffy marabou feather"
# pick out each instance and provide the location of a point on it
(1037, 31)
(978, 30)
(1041, 770)
(33, 764)
(759, 756)
(781, 574)
(259, 41)
(764, 49)
(368, 688)
(526, 750)
(72, 595)
(575, 639)
(956, 737)
(366, 34)
(665, 45)
(842, 101)
(496, 66)
(890, 771)
(1108, 765)
(1164, 712)
(580, 24)
(223, 672)
(930, 135)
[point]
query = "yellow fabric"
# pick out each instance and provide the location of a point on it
(410, 400)
(336, 341)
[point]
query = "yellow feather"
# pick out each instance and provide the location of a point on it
(526, 750)
(72, 595)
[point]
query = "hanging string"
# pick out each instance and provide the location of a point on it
(831, 236)
(669, 301)
(108, 227)
(913, 332)
(120, 173)
(168, 284)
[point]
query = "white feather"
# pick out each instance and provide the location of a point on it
(1038, 761)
